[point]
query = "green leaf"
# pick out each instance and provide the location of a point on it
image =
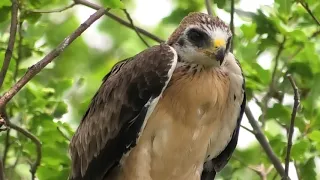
(4, 13)
(301, 68)
(265, 25)
(315, 136)
(220, 3)
(278, 111)
(115, 4)
(307, 170)
(5, 3)
(284, 6)
(262, 74)
(60, 110)
(277, 143)
(176, 16)
(249, 31)
(298, 35)
(31, 16)
(300, 147)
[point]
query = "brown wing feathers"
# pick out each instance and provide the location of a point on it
(111, 125)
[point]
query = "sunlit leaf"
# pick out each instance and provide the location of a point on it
(284, 6)
(249, 31)
(315, 135)
(115, 4)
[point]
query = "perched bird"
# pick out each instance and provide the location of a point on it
(172, 111)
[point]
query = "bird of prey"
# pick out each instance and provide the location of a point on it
(171, 112)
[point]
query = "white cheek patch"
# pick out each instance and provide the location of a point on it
(219, 33)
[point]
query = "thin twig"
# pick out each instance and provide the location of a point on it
(36, 141)
(36, 68)
(12, 38)
(249, 130)
(209, 7)
(52, 11)
(120, 20)
(7, 145)
(30, 136)
(135, 28)
(260, 170)
(277, 58)
(20, 33)
(245, 164)
(293, 117)
(266, 98)
(264, 143)
(297, 170)
(306, 7)
(232, 23)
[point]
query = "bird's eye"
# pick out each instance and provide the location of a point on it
(197, 37)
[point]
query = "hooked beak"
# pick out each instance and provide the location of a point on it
(219, 49)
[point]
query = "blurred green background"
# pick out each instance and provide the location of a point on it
(51, 105)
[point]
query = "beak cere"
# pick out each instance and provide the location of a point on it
(220, 55)
(220, 50)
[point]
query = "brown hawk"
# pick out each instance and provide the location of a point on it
(172, 111)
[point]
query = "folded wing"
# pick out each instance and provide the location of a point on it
(119, 111)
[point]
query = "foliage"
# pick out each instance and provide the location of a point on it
(51, 105)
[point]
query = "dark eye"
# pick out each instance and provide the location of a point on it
(198, 37)
(228, 46)
(195, 35)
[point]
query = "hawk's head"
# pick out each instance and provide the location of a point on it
(201, 39)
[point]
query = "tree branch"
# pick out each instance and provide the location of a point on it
(293, 117)
(208, 6)
(36, 68)
(306, 7)
(232, 23)
(135, 28)
(264, 143)
(1, 170)
(52, 11)
(119, 20)
(12, 38)
(3, 123)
